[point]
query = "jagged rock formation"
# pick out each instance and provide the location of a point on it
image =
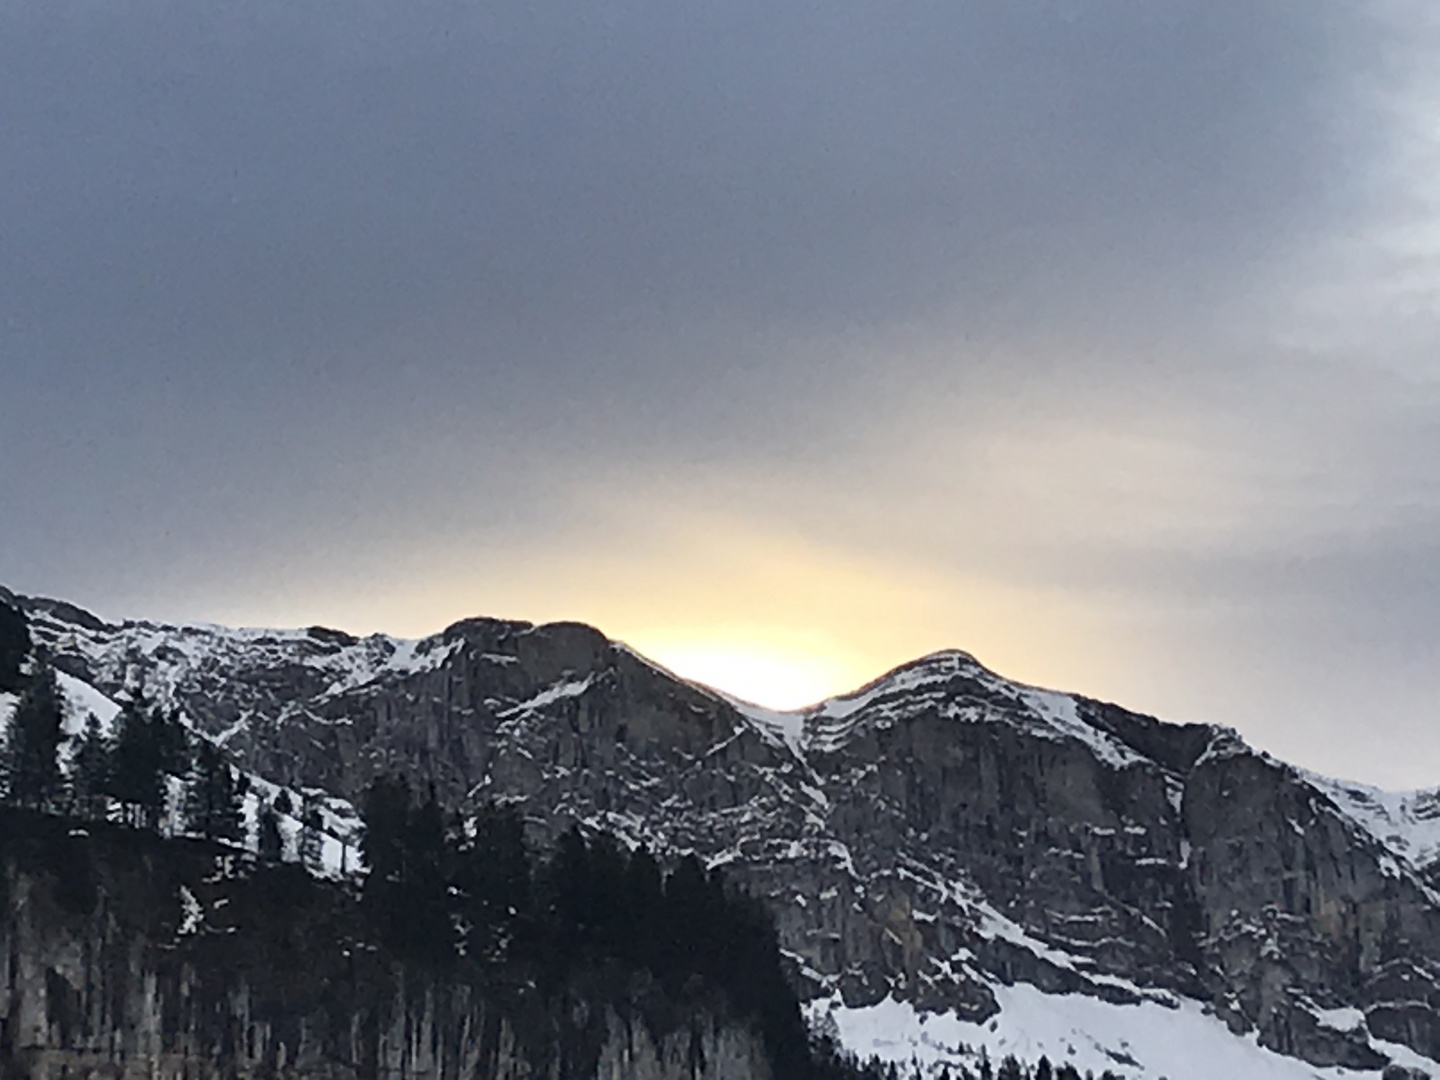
(936, 836)
(126, 956)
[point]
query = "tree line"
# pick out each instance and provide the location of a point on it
(467, 893)
(1011, 1068)
(144, 766)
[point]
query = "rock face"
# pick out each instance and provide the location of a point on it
(128, 957)
(938, 833)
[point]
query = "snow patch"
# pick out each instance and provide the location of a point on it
(929, 669)
(1405, 823)
(191, 914)
(1058, 710)
(82, 700)
(550, 695)
(1347, 1019)
(340, 827)
(1144, 1041)
(775, 727)
(379, 655)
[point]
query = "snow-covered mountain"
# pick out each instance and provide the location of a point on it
(955, 860)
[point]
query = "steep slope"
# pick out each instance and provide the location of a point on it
(943, 840)
(130, 956)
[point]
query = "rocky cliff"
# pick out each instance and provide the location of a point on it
(128, 956)
(941, 840)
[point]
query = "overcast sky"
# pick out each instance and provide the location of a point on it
(785, 341)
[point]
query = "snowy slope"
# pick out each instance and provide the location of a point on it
(1407, 823)
(340, 823)
(81, 701)
(157, 658)
(928, 683)
(1144, 1041)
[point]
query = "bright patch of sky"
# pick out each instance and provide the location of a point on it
(1098, 340)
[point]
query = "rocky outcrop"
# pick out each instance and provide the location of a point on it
(125, 956)
(935, 835)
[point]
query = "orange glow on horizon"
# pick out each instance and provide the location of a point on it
(762, 615)
(776, 675)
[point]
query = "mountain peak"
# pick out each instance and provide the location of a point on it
(943, 849)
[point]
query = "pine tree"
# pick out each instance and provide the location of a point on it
(689, 927)
(214, 796)
(172, 743)
(407, 891)
(565, 887)
(15, 646)
(33, 746)
(385, 812)
(268, 839)
(90, 772)
(645, 890)
(137, 775)
(492, 874)
(312, 839)
(431, 931)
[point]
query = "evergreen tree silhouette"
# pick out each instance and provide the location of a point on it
(385, 812)
(149, 745)
(492, 876)
(214, 796)
(687, 926)
(312, 837)
(645, 896)
(269, 842)
(33, 745)
(172, 743)
(430, 931)
(15, 646)
(608, 912)
(90, 771)
(407, 891)
(564, 888)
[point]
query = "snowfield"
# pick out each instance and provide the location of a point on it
(1146, 1041)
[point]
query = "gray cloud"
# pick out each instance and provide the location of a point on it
(289, 290)
(286, 179)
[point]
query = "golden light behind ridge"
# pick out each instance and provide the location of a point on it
(756, 671)
(759, 613)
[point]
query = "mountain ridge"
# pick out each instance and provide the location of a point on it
(933, 840)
